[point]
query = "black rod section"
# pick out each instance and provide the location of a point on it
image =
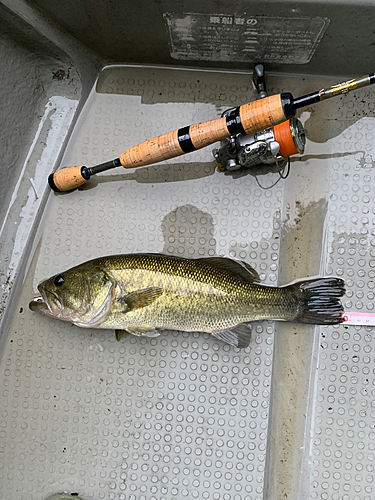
(102, 167)
(335, 90)
(305, 100)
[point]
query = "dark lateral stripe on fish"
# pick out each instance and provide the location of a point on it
(185, 141)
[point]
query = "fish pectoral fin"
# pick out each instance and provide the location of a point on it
(238, 336)
(140, 298)
(121, 334)
(143, 331)
(243, 270)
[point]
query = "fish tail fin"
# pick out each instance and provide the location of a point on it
(319, 301)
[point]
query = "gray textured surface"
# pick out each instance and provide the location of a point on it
(46, 75)
(343, 438)
(32, 70)
(184, 415)
(135, 32)
(177, 415)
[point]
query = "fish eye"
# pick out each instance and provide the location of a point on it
(59, 280)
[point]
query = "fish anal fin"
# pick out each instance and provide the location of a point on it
(138, 331)
(143, 331)
(140, 298)
(243, 270)
(238, 336)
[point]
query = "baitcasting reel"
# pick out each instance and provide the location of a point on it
(271, 146)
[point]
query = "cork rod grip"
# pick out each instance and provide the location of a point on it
(249, 118)
(67, 178)
(263, 113)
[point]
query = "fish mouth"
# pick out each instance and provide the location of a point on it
(38, 305)
(47, 303)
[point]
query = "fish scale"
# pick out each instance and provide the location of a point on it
(197, 296)
(144, 293)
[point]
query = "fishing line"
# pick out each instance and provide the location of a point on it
(280, 172)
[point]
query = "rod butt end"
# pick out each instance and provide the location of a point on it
(52, 184)
(68, 178)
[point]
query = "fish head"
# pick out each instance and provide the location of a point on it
(82, 295)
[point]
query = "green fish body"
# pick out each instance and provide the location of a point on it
(144, 293)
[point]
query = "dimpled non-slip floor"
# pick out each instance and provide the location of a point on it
(343, 432)
(178, 416)
(184, 415)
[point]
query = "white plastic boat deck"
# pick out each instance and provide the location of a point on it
(184, 415)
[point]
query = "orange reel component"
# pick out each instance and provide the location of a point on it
(284, 134)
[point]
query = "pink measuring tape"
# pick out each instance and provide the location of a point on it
(358, 318)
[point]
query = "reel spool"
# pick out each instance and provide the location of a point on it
(270, 146)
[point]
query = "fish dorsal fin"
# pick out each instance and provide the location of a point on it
(244, 271)
(140, 298)
(238, 336)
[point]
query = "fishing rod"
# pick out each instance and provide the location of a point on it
(246, 119)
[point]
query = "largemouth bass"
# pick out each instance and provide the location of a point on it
(141, 294)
